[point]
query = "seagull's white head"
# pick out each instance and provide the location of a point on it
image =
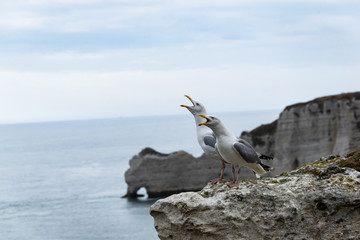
(210, 120)
(196, 109)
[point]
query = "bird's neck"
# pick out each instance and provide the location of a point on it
(220, 130)
(202, 130)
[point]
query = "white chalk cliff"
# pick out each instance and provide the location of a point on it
(307, 131)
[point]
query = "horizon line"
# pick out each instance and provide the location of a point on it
(124, 117)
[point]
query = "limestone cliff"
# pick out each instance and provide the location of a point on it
(317, 201)
(164, 174)
(306, 131)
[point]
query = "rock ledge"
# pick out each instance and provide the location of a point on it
(317, 201)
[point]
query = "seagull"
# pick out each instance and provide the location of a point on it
(234, 150)
(205, 135)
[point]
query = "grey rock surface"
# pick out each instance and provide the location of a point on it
(307, 131)
(164, 174)
(317, 201)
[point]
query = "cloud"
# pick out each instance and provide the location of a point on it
(91, 58)
(72, 56)
(21, 20)
(75, 16)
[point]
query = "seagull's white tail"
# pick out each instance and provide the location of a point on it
(257, 168)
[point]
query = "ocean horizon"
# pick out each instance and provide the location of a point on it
(65, 179)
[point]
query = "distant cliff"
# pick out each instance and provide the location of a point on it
(317, 201)
(165, 174)
(306, 131)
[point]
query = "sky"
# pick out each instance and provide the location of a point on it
(86, 59)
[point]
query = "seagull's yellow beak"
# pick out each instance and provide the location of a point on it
(207, 120)
(190, 101)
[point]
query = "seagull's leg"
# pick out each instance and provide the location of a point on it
(233, 172)
(235, 184)
(237, 179)
(221, 175)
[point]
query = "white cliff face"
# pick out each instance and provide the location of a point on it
(320, 127)
(318, 201)
(307, 131)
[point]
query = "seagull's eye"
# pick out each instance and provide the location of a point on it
(197, 104)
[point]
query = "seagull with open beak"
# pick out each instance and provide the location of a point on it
(205, 135)
(233, 150)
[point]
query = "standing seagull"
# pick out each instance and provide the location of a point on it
(234, 150)
(205, 135)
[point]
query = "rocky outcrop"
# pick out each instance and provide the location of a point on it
(307, 131)
(317, 201)
(165, 174)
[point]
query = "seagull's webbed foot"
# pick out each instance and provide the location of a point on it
(214, 181)
(233, 184)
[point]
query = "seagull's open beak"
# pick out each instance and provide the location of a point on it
(191, 102)
(204, 123)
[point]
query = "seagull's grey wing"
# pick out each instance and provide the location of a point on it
(210, 140)
(246, 151)
(260, 155)
(240, 140)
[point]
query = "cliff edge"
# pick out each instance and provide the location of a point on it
(320, 200)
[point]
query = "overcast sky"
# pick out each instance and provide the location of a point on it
(79, 59)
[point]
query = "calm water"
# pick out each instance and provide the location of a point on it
(64, 180)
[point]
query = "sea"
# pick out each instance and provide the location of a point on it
(65, 180)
